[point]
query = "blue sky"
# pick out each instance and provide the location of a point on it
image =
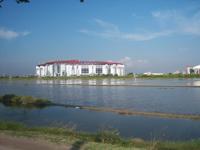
(146, 35)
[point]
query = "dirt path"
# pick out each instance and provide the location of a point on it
(8, 142)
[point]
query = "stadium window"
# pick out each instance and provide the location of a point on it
(84, 70)
(99, 70)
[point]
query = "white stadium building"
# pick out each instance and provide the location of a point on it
(193, 70)
(79, 68)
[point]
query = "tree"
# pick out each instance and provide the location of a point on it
(25, 1)
(17, 1)
(22, 1)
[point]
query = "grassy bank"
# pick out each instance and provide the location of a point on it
(143, 113)
(85, 77)
(169, 76)
(100, 77)
(101, 140)
(23, 101)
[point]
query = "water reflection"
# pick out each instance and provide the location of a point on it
(143, 98)
(195, 83)
(92, 82)
(134, 82)
(67, 82)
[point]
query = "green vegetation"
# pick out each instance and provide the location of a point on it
(99, 77)
(143, 113)
(18, 77)
(23, 101)
(95, 77)
(169, 76)
(105, 139)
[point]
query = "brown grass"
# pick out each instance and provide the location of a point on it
(143, 113)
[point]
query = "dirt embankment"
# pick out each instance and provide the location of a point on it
(8, 142)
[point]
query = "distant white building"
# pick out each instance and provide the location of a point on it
(79, 68)
(177, 72)
(193, 70)
(153, 73)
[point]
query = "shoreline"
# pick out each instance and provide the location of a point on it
(100, 77)
(129, 112)
(133, 112)
(101, 140)
(145, 114)
(128, 85)
(29, 102)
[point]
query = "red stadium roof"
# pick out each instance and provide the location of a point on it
(80, 62)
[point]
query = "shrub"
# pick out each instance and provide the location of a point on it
(108, 136)
(4, 125)
(23, 101)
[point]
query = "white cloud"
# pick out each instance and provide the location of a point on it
(146, 36)
(25, 33)
(106, 25)
(132, 64)
(169, 22)
(142, 61)
(179, 22)
(127, 61)
(9, 34)
(164, 15)
(109, 30)
(84, 31)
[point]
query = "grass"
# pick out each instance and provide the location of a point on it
(109, 137)
(169, 76)
(84, 77)
(100, 77)
(23, 101)
(105, 139)
(143, 113)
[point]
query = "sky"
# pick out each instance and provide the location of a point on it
(145, 35)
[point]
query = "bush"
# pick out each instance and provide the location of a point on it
(108, 136)
(4, 125)
(23, 101)
(7, 98)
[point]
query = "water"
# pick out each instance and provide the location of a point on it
(171, 96)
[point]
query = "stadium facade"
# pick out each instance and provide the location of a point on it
(79, 68)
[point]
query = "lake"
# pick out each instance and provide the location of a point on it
(180, 96)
